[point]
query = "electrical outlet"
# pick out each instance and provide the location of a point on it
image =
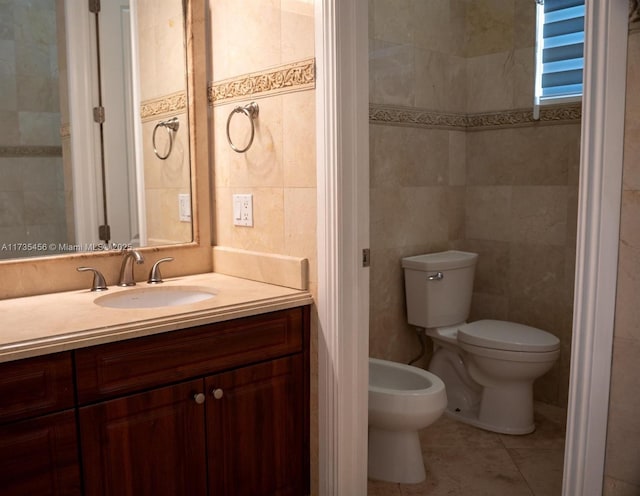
(184, 207)
(243, 210)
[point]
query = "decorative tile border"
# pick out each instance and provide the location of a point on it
(30, 151)
(165, 106)
(414, 117)
(282, 79)
(411, 116)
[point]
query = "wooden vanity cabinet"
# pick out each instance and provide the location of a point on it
(220, 409)
(38, 434)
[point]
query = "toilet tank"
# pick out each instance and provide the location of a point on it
(438, 287)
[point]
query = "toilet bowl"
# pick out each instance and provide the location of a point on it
(488, 366)
(402, 400)
(493, 388)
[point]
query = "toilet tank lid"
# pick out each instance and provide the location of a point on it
(443, 260)
(509, 336)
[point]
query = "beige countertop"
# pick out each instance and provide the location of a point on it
(37, 325)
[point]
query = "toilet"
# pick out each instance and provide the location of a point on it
(487, 366)
(402, 400)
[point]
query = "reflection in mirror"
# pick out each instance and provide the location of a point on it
(94, 133)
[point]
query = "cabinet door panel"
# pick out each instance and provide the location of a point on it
(40, 457)
(255, 430)
(35, 386)
(148, 444)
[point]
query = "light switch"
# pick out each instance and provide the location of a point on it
(184, 206)
(243, 210)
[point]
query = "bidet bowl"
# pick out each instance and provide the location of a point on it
(403, 397)
(155, 297)
(402, 400)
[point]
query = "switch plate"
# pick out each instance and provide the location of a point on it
(184, 207)
(243, 210)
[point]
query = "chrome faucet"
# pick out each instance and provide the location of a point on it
(126, 269)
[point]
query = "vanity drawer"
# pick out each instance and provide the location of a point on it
(126, 366)
(35, 386)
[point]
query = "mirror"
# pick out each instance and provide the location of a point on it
(94, 138)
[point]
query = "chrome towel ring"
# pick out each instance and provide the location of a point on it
(251, 111)
(171, 125)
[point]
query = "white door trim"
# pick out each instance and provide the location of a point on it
(85, 150)
(597, 248)
(343, 231)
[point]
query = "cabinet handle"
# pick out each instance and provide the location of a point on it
(217, 393)
(199, 398)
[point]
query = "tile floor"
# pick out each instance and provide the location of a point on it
(462, 460)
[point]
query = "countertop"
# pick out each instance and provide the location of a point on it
(38, 325)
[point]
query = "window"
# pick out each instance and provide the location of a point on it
(559, 52)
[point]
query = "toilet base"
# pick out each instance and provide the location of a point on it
(395, 456)
(470, 416)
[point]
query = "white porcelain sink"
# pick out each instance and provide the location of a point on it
(154, 297)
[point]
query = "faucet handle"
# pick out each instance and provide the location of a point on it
(154, 275)
(99, 283)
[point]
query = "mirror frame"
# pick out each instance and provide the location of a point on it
(56, 273)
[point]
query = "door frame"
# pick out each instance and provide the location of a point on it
(342, 137)
(598, 235)
(342, 163)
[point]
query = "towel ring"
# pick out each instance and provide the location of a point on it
(170, 125)
(251, 111)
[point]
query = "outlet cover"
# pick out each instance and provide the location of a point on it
(243, 210)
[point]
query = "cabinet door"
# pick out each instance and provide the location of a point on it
(40, 457)
(148, 444)
(255, 422)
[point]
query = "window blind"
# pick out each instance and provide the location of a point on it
(560, 49)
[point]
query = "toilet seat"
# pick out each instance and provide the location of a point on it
(507, 336)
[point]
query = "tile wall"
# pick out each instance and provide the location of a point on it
(263, 51)
(458, 162)
(271, 64)
(163, 94)
(622, 477)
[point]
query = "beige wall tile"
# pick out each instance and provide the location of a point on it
(614, 487)
(539, 214)
(623, 450)
(493, 268)
(407, 156)
(488, 213)
(297, 30)
(431, 24)
(488, 306)
(392, 73)
(523, 77)
(246, 36)
(457, 158)
(490, 82)
(524, 25)
(262, 164)
(300, 225)
(393, 21)
(299, 146)
(408, 216)
(631, 175)
(622, 455)
(489, 26)
(627, 319)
